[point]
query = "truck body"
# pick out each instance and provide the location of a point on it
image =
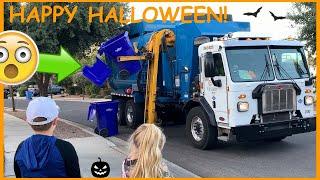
(222, 81)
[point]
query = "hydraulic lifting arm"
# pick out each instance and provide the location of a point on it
(153, 47)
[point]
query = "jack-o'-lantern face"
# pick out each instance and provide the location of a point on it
(100, 169)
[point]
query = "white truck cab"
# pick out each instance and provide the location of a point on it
(251, 88)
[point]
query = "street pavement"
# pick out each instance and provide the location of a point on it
(292, 157)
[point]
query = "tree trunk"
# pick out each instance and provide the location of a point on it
(12, 99)
(42, 80)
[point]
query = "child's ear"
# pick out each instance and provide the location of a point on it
(55, 121)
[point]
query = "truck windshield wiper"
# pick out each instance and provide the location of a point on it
(300, 71)
(279, 68)
(266, 69)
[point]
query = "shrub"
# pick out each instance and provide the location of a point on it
(71, 90)
(107, 91)
(22, 89)
(94, 89)
(92, 96)
(87, 89)
(99, 96)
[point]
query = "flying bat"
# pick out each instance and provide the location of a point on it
(253, 13)
(276, 17)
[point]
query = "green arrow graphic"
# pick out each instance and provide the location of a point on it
(63, 65)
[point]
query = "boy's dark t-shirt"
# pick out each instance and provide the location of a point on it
(46, 156)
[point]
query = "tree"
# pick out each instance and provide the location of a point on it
(66, 83)
(304, 16)
(76, 37)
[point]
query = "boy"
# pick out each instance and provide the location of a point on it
(42, 154)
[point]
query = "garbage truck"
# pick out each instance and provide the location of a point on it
(223, 81)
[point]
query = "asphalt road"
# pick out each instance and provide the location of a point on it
(292, 157)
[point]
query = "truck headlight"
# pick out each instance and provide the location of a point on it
(308, 100)
(243, 106)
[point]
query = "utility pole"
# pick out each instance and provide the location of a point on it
(83, 91)
(12, 99)
(50, 87)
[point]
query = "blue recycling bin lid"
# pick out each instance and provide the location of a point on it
(95, 106)
(119, 45)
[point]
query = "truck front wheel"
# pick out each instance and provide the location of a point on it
(133, 114)
(199, 131)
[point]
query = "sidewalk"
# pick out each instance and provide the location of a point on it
(111, 150)
(88, 148)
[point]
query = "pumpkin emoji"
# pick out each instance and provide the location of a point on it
(100, 169)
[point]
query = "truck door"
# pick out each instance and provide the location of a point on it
(215, 85)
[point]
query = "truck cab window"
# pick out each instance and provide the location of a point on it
(249, 64)
(218, 67)
(292, 62)
(213, 65)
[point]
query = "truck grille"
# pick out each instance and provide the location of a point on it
(279, 98)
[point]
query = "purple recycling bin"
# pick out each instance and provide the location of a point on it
(106, 114)
(98, 73)
(120, 46)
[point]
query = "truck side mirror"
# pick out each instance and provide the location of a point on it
(213, 65)
(310, 82)
(217, 82)
(209, 65)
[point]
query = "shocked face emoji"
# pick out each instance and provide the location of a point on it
(19, 57)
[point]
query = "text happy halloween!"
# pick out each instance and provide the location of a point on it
(42, 13)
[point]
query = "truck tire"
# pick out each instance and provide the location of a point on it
(199, 131)
(133, 114)
(120, 114)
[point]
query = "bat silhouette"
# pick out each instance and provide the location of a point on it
(253, 13)
(276, 17)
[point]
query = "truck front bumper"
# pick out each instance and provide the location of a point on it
(254, 132)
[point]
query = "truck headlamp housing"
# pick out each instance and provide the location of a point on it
(243, 106)
(308, 100)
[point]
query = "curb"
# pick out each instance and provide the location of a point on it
(121, 146)
(87, 130)
(80, 126)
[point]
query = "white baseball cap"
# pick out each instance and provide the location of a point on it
(42, 107)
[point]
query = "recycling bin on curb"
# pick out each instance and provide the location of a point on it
(29, 95)
(106, 115)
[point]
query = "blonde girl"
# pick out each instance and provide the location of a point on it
(145, 154)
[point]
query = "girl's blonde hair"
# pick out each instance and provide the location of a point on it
(148, 140)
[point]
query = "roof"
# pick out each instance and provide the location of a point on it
(233, 43)
(214, 45)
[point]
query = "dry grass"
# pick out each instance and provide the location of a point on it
(63, 130)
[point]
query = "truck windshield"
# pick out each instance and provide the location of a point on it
(291, 62)
(248, 64)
